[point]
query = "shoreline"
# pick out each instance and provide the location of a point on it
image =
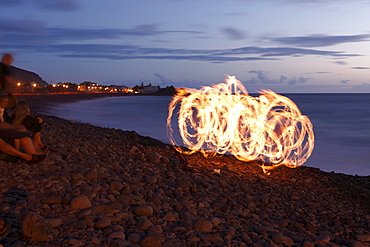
(38, 103)
(41, 104)
(117, 188)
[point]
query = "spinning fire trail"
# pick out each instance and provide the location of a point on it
(225, 119)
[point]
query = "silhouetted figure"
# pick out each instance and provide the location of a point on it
(6, 61)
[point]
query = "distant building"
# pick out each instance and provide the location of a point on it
(150, 89)
(88, 86)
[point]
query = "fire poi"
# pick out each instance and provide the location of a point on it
(224, 118)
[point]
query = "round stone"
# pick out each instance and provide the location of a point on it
(143, 210)
(202, 225)
(80, 202)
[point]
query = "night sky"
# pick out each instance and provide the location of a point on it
(282, 45)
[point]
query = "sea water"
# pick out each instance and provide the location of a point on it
(341, 124)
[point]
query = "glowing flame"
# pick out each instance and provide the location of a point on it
(181, 91)
(225, 119)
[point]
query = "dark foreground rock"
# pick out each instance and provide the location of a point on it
(116, 188)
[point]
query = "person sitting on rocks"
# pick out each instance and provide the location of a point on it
(22, 116)
(9, 153)
(17, 135)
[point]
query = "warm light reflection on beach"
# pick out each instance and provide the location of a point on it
(225, 119)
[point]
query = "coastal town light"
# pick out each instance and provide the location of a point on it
(19, 84)
(34, 85)
(225, 119)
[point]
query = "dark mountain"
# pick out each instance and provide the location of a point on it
(26, 77)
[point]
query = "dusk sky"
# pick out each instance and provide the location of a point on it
(282, 45)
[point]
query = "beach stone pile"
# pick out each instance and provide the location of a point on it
(117, 188)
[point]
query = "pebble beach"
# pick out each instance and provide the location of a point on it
(109, 187)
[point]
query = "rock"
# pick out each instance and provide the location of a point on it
(78, 176)
(118, 234)
(308, 244)
(323, 239)
(265, 229)
(152, 240)
(169, 217)
(185, 216)
(95, 240)
(35, 226)
(279, 239)
(89, 222)
(178, 228)
(109, 207)
(133, 238)
(363, 238)
(84, 212)
(154, 158)
(143, 210)
(202, 225)
(151, 179)
(165, 160)
(92, 174)
(55, 222)
(75, 242)
(213, 238)
(102, 223)
(133, 149)
(215, 221)
(116, 185)
(51, 200)
(144, 224)
(156, 228)
(245, 238)
(310, 227)
(361, 244)
(185, 183)
(126, 199)
(64, 179)
(252, 206)
(80, 202)
(80, 224)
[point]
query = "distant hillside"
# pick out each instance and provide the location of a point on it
(26, 77)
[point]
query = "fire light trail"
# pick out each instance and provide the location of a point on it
(224, 118)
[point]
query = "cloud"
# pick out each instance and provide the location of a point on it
(318, 72)
(59, 34)
(33, 36)
(320, 40)
(341, 62)
(163, 79)
(11, 3)
(233, 33)
(344, 81)
(64, 5)
(262, 78)
(285, 51)
(360, 68)
(58, 5)
(365, 87)
(25, 26)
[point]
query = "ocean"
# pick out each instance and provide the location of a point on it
(341, 122)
